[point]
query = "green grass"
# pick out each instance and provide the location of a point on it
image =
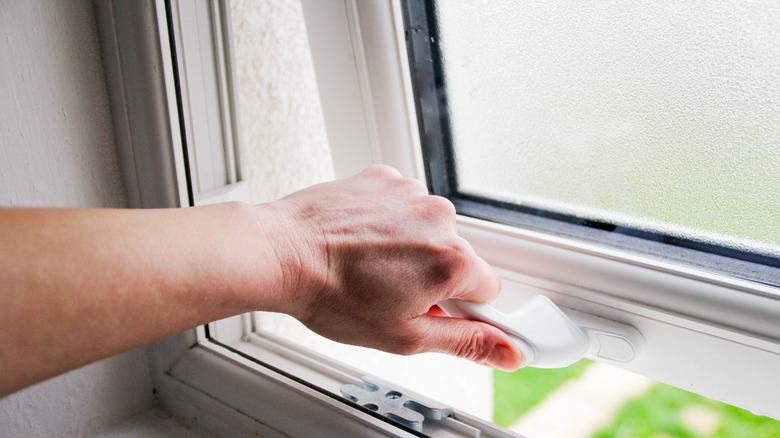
(517, 392)
(658, 412)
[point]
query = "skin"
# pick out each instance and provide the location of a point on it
(362, 261)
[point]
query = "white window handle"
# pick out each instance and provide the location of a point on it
(551, 337)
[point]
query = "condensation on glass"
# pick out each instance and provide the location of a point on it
(661, 116)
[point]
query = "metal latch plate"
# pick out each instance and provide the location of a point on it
(402, 406)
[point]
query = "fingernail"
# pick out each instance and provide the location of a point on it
(505, 358)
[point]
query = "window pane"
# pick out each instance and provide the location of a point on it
(661, 116)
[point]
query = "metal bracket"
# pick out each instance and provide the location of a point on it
(402, 406)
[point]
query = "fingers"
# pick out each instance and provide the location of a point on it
(476, 280)
(472, 340)
(481, 283)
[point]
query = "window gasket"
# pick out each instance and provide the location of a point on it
(429, 85)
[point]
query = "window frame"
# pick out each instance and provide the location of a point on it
(367, 99)
(734, 323)
(433, 113)
(203, 381)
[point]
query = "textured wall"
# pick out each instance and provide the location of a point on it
(284, 145)
(57, 149)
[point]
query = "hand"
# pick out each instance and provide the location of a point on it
(366, 259)
(362, 260)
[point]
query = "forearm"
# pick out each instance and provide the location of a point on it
(362, 260)
(80, 285)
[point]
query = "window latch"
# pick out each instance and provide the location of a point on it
(405, 407)
(553, 337)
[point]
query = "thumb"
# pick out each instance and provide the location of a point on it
(473, 340)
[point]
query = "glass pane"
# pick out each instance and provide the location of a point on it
(660, 116)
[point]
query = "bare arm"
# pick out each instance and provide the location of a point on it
(361, 261)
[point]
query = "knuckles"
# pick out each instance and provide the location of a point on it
(471, 346)
(382, 171)
(469, 343)
(450, 260)
(394, 179)
(413, 187)
(435, 209)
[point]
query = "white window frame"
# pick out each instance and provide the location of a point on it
(706, 333)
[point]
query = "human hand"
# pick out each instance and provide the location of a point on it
(366, 259)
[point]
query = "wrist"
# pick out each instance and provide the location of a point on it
(234, 256)
(298, 255)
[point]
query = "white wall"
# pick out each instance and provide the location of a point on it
(57, 149)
